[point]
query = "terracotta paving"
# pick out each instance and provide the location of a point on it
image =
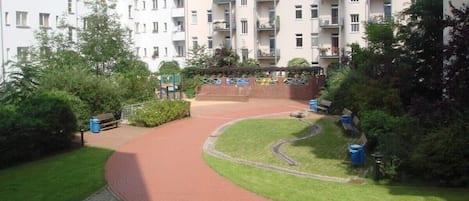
(165, 163)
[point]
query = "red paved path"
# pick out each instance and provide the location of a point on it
(166, 163)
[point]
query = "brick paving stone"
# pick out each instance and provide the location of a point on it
(165, 163)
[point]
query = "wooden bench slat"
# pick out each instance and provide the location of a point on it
(107, 120)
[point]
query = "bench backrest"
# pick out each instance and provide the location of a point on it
(356, 121)
(325, 103)
(346, 111)
(105, 117)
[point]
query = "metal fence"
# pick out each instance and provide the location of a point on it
(129, 110)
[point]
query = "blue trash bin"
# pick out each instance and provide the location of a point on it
(357, 154)
(313, 105)
(346, 119)
(94, 125)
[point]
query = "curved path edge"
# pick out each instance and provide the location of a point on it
(209, 148)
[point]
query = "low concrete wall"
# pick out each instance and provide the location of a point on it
(262, 88)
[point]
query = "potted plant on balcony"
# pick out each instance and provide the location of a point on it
(323, 50)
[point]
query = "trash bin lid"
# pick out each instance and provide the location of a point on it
(355, 146)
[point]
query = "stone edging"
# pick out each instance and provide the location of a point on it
(209, 148)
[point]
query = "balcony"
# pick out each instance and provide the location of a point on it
(268, 26)
(177, 12)
(223, 1)
(179, 34)
(379, 19)
(330, 23)
(267, 54)
(329, 53)
(223, 26)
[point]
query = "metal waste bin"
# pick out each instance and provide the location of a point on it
(94, 125)
(313, 105)
(357, 154)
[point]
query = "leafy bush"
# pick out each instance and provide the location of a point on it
(157, 113)
(80, 109)
(298, 62)
(42, 124)
(169, 67)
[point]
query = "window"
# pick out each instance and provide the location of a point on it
(180, 4)
(7, 19)
(130, 34)
(44, 20)
(130, 12)
(244, 54)
(155, 27)
(137, 51)
(155, 4)
(194, 17)
(180, 50)
(244, 2)
(387, 10)
(144, 52)
(165, 51)
(57, 21)
(299, 40)
(143, 5)
(354, 1)
(314, 11)
(165, 27)
(314, 40)
(210, 42)
(298, 12)
(85, 23)
(355, 23)
(70, 33)
(144, 28)
(244, 26)
(136, 6)
(136, 27)
(195, 42)
(21, 19)
(164, 3)
(70, 6)
(209, 16)
(22, 53)
(156, 52)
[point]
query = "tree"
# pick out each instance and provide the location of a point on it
(169, 67)
(298, 62)
(225, 57)
(199, 57)
(457, 61)
(103, 41)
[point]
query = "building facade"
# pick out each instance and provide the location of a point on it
(270, 31)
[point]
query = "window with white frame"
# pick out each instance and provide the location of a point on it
(314, 11)
(70, 33)
(299, 40)
(144, 5)
(70, 7)
(194, 17)
(209, 16)
(155, 4)
(144, 52)
(165, 27)
(44, 20)
(180, 50)
(137, 51)
(155, 27)
(314, 40)
(195, 42)
(164, 3)
(136, 27)
(298, 12)
(387, 10)
(144, 28)
(129, 11)
(354, 1)
(136, 4)
(210, 42)
(165, 51)
(7, 19)
(354, 23)
(21, 19)
(244, 27)
(156, 52)
(22, 53)
(244, 2)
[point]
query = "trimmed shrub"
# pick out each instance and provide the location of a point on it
(156, 113)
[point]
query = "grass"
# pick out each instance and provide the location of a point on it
(324, 154)
(282, 187)
(71, 176)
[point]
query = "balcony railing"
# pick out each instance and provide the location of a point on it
(330, 23)
(268, 53)
(223, 26)
(223, 1)
(268, 26)
(266, 0)
(331, 52)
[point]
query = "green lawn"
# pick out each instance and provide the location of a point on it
(324, 154)
(285, 187)
(71, 176)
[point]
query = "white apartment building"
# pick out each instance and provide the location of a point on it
(275, 31)
(157, 28)
(21, 18)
